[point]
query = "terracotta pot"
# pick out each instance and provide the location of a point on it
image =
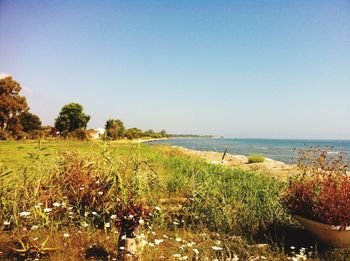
(331, 235)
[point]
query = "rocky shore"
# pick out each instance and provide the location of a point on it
(269, 167)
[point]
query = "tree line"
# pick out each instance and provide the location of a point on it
(16, 121)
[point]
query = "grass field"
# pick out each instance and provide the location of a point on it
(58, 198)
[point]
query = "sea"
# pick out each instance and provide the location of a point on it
(284, 150)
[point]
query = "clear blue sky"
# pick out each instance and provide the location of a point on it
(277, 69)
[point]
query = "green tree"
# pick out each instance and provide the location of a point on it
(11, 106)
(114, 129)
(29, 121)
(163, 133)
(71, 118)
(134, 133)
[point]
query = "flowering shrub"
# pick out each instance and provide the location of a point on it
(321, 191)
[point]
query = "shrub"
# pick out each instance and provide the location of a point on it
(321, 191)
(256, 158)
(79, 134)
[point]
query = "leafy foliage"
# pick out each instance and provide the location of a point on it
(321, 191)
(12, 104)
(30, 122)
(114, 129)
(71, 118)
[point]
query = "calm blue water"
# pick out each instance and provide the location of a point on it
(277, 149)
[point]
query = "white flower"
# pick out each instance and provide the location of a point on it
(175, 223)
(100, 193)
(176, 255)
(24, 214)
(195, 250)
(184, 258)
(178, 239)
(151, 244)
(130, 216)
(47, 210)
(141, 221)
(190, 244)
(6, 223)
(122, 248)
(56, 204)
(94, 213)
(34, 227)
(66, 235)
(157, 208)
(107, 225)
(114, 217)
(292, 247)
(165, 236)
(216, 248)
(263, 257)
(158, 241)
(97, 182)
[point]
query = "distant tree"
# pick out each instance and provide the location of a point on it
(29, 121)
(71, 118)
(11, 106)
(163, 133)
(149, 133)
(114, 129)
(133, 133)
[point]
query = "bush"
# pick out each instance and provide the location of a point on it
(79, 134)
(256, 158)
(321, 191)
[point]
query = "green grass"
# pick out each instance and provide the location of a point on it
(256, 158)
(237, 208)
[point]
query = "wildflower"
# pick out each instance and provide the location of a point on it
(195, 250)
(107, 225)
(191, 244)
(35, 238)
(153, 233)
(47, 210)
(165, 236)
(178, 239)
(176, 223)
(216, 248)
(6, 223)
(151, 244)
(66, 235)
(56, 204)
(114, 217)
(157, 208)
(94, 213)
(24, 214)
(70, 213)
(292, 247)
(176, 255)
(263, 257)
(184, 258)
(158, 241)
(121, 248)
(81, 188)
(100, 193)
(141, 221)
(130, 216)
(34, 227)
